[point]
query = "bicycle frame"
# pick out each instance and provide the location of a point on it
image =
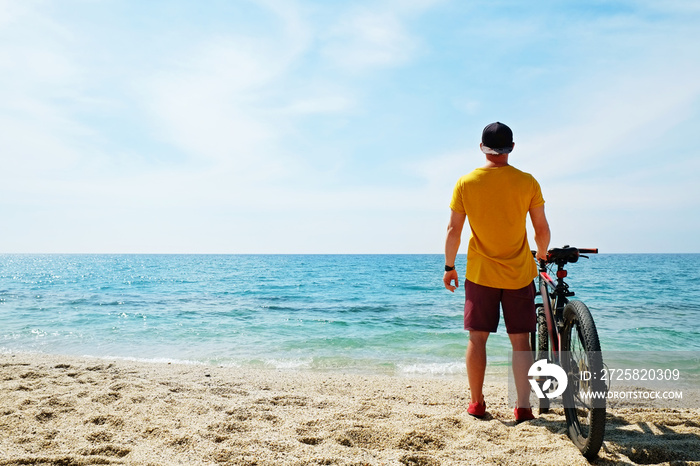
(553, 302)
(554, 296)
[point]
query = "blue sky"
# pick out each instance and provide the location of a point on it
(270, 126)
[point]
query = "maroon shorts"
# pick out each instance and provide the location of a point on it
(482, 308)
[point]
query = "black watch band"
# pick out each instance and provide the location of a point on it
(449, 268)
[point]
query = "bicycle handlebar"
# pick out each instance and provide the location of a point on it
(566, 254)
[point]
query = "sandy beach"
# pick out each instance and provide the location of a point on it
(76, 411)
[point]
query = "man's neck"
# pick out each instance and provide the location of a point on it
(496, 161)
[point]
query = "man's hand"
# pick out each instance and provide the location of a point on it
(448, 278)
(541, 255)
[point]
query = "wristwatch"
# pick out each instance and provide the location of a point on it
(449, 268)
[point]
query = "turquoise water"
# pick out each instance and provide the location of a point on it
(386, 313)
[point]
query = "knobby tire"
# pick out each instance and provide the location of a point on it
(585, 418)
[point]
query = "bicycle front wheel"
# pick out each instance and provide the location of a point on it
(585, 414)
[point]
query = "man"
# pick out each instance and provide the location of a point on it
(496, 199)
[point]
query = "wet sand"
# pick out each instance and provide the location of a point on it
(78, 411)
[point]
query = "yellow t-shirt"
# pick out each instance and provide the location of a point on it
(496, 202)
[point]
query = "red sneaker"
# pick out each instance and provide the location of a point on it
(523, 414)
(477, 409)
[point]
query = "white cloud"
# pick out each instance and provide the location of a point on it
(230, 101)
(369, 38)
(613, 116)
(320, 104)
(40, 78)
(214, 100)
(378, 36)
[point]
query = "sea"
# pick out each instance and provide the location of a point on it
(386, 314)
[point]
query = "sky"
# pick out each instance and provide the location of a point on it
(316, 126)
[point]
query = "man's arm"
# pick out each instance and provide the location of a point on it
(542, 233)
(454, 237)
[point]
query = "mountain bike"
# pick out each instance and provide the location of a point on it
(566, 335)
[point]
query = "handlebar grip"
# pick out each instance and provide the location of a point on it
(588, 250)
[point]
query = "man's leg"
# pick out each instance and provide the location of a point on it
(476, 363)
(522, 360)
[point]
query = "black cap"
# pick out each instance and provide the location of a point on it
(498, 137)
